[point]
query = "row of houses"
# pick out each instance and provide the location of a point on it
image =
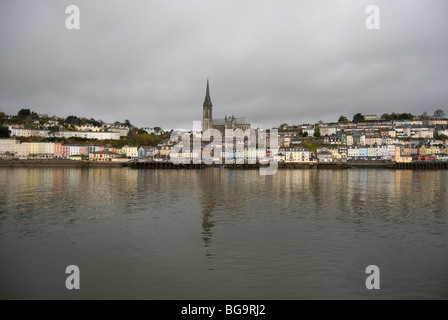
(58, 150)
(398, 153)
(365, 133)
(112, 134)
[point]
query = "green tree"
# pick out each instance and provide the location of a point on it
(23, 113)
(317, 132)
(439, 113)
(405, 116)
(343, 119)
(4, 132)
(358, 117)
(73, 120)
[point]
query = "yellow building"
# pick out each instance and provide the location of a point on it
(402, 158)
(102, 156)
(427, 151)
(164, 151)
(33, 148)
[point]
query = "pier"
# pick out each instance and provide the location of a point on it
(164, 165)
(420, 165)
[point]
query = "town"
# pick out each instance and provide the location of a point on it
(366, 138)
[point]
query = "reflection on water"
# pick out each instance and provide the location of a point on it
(218, 233)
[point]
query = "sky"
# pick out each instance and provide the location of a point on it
(273, 61)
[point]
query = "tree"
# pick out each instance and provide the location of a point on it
(439, 113)
(23, 113)
(53, 129)
(127, 123)
(317, 132)
(386, 116)
(157, 129)
(4, 132)
(343, 119)
(304, 134)
(405, 116)
(358, 117)
(73, 120)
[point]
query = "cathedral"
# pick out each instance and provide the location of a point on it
(230, 122)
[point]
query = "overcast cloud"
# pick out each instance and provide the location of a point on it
(272, 61)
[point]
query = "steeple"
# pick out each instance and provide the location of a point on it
(207, 110)
(207, 101)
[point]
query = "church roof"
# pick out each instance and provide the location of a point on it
(218, 122)
(222, 122)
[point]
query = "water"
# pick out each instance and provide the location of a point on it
(223, 234)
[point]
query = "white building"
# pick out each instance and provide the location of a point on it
(99, 135)
(352, 153)
(294, 155)
(8, 145)
(327, 130)
(370, 117)
(130, 152)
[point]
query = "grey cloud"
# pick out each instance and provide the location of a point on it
(275, 62)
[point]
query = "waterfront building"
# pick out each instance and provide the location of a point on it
(390, 151)
(363, 153)
(401, 158)
(103, 156)
(147, 152)
(325, 156)
(8, 145)
(442, 157)
(164, 151)
(58, 149)
(130, 151)
(352, 153)
(100, 135)
(296, 155)
(339, 157)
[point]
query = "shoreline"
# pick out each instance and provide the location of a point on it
(44, 163)
(65, 163)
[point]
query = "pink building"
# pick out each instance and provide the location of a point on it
(65, 151)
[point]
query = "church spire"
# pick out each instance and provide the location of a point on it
(207, 100)
(207, 111)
